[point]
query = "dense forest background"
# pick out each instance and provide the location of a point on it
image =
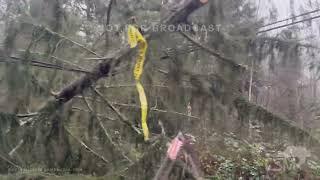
(246, 95)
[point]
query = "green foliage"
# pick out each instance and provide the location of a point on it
(249, 162)
(241, 159)
(315, 167)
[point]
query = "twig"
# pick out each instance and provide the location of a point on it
(44, 65)
(10, 162)
(62, 68)
(108, 22)
(156, 110)
(168, 53)
(174, 52)
(48, 64)
(23, 122)
(173, 112)
(99, 115)
(105, 130)
(129, 85)
(74, 42)
(209, 50)
(98, 59)
(133, 86)
(251, 79)
(16, 148)
(121, 116)
(27, 118)
(163, 132)
(151, 109)
(109, 12)
(87, 147)
(57, 59)
(163, 71)
(27, 115)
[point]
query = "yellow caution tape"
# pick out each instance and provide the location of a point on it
(135, 38)
(144, 110)
(138, 68)
(132, 37)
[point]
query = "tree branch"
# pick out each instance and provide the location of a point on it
(121, 116)
(87, 147)
(211, 51)
(10, 162)
(106, 34)
(105, 130)
(151, 109)
(99, 115)
(40, 64)
(103, 69)
(72, 41)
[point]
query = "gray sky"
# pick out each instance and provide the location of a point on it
(281, 5)
(283, 8)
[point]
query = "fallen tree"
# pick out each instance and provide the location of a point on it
(108, 66)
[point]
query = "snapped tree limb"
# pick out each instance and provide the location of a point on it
(104, 68)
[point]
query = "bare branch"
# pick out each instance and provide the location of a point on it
(99, 115)
(10, 162)
(105, 130)
(121, 116)
(87, 147)
(58, 59)
(27, 115)
(167, 53)
(151, 109)
(211, 51)
(156, 110)
(134, 86)
(72, 41)
(108, 22)
(40, 64)
(16, 148)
